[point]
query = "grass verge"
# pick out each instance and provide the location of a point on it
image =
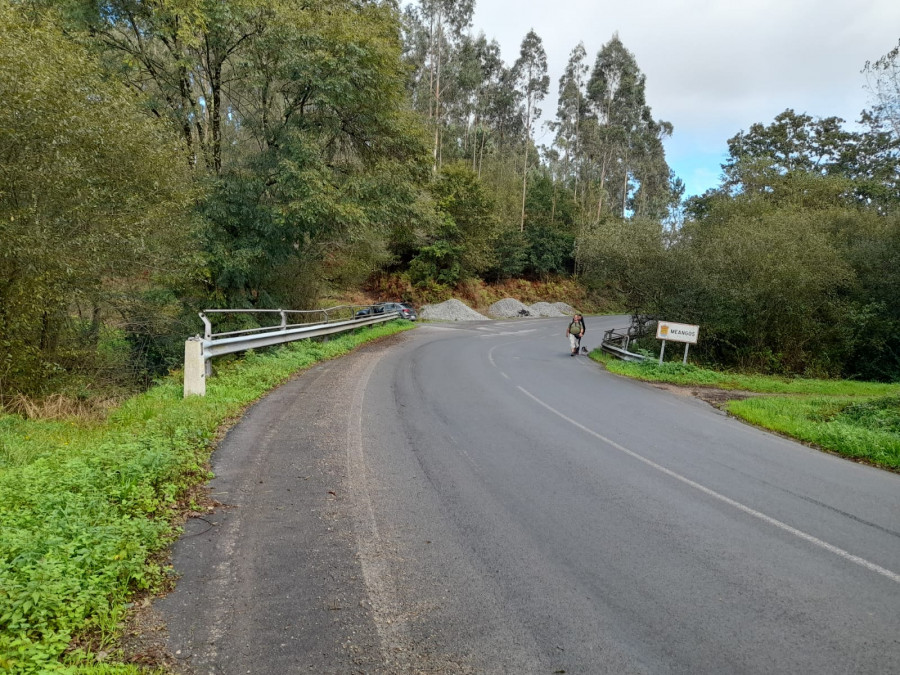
(859, 420)
(86, 508)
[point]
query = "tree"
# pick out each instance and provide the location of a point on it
(440, 24)
(795, 144)
(300, 110)
(570, 112)
(549, 251)
(94, 203)
(792, 142)
(883, 76)
(182, 55)
(625, 142)
(491, 75)
(463, 244)
(531, 75)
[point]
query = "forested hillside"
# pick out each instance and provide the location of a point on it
(158, 158)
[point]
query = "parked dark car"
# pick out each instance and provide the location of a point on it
(406, 310)
(374, 309)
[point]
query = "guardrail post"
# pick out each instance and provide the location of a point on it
(194, 368)
(283, 319)
(207, 327)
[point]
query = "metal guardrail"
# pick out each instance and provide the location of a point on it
(616, 342)
(198, 351)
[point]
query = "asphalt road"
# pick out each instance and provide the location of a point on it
(468, 498)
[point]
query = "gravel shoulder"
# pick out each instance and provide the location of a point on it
(718, 398)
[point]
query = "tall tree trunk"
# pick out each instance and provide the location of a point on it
(437, 99)
(216, 116)
(524, 185)
(602, 186)
(481, 153)
(553, 202)
(475, 143)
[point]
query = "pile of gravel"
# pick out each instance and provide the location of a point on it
(450, 310)
(508, 308)
(546, 309)
(564, 308)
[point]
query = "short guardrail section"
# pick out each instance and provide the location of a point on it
(294, 325)
(616, 342)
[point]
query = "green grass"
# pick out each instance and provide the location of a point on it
(859, 420)
(85, 507)
(867, 430)
(689, 375)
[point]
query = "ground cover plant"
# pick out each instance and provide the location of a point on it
(87, 507)
(859, 420)
(866, 430)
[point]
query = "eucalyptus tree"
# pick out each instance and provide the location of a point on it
(658, 191)
(463, 78)
(490, 71)
(883, 76)
(570, 112)
(505, 114)
(531, 76)
(626, 142)
(439, 25)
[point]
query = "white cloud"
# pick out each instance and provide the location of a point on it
(715, 67)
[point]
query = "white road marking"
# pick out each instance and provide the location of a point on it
(493, 363)
(893, 576)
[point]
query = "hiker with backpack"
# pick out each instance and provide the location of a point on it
(576, 331)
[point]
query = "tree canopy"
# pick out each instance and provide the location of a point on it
(94, 200)
(158, 157)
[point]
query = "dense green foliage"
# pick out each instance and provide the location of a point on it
(265, 153)
(84, 506)
(293, 114)
(93, 203)
(789, 267)
(161, 157)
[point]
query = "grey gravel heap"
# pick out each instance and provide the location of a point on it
(508, 308)
(564, 308)
(546, 309)
(450, 310)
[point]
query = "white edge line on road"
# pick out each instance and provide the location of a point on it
(493, 363)
(893, 576)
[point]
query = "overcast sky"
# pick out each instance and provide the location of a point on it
(713, 67)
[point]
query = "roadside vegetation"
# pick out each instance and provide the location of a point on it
(858, 420)
(89, 507)
(291, 153)
(160, 158)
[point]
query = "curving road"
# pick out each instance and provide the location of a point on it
(467, 498)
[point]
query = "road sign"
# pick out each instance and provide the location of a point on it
(677, 332)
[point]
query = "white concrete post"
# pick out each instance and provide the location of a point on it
(194, 368)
